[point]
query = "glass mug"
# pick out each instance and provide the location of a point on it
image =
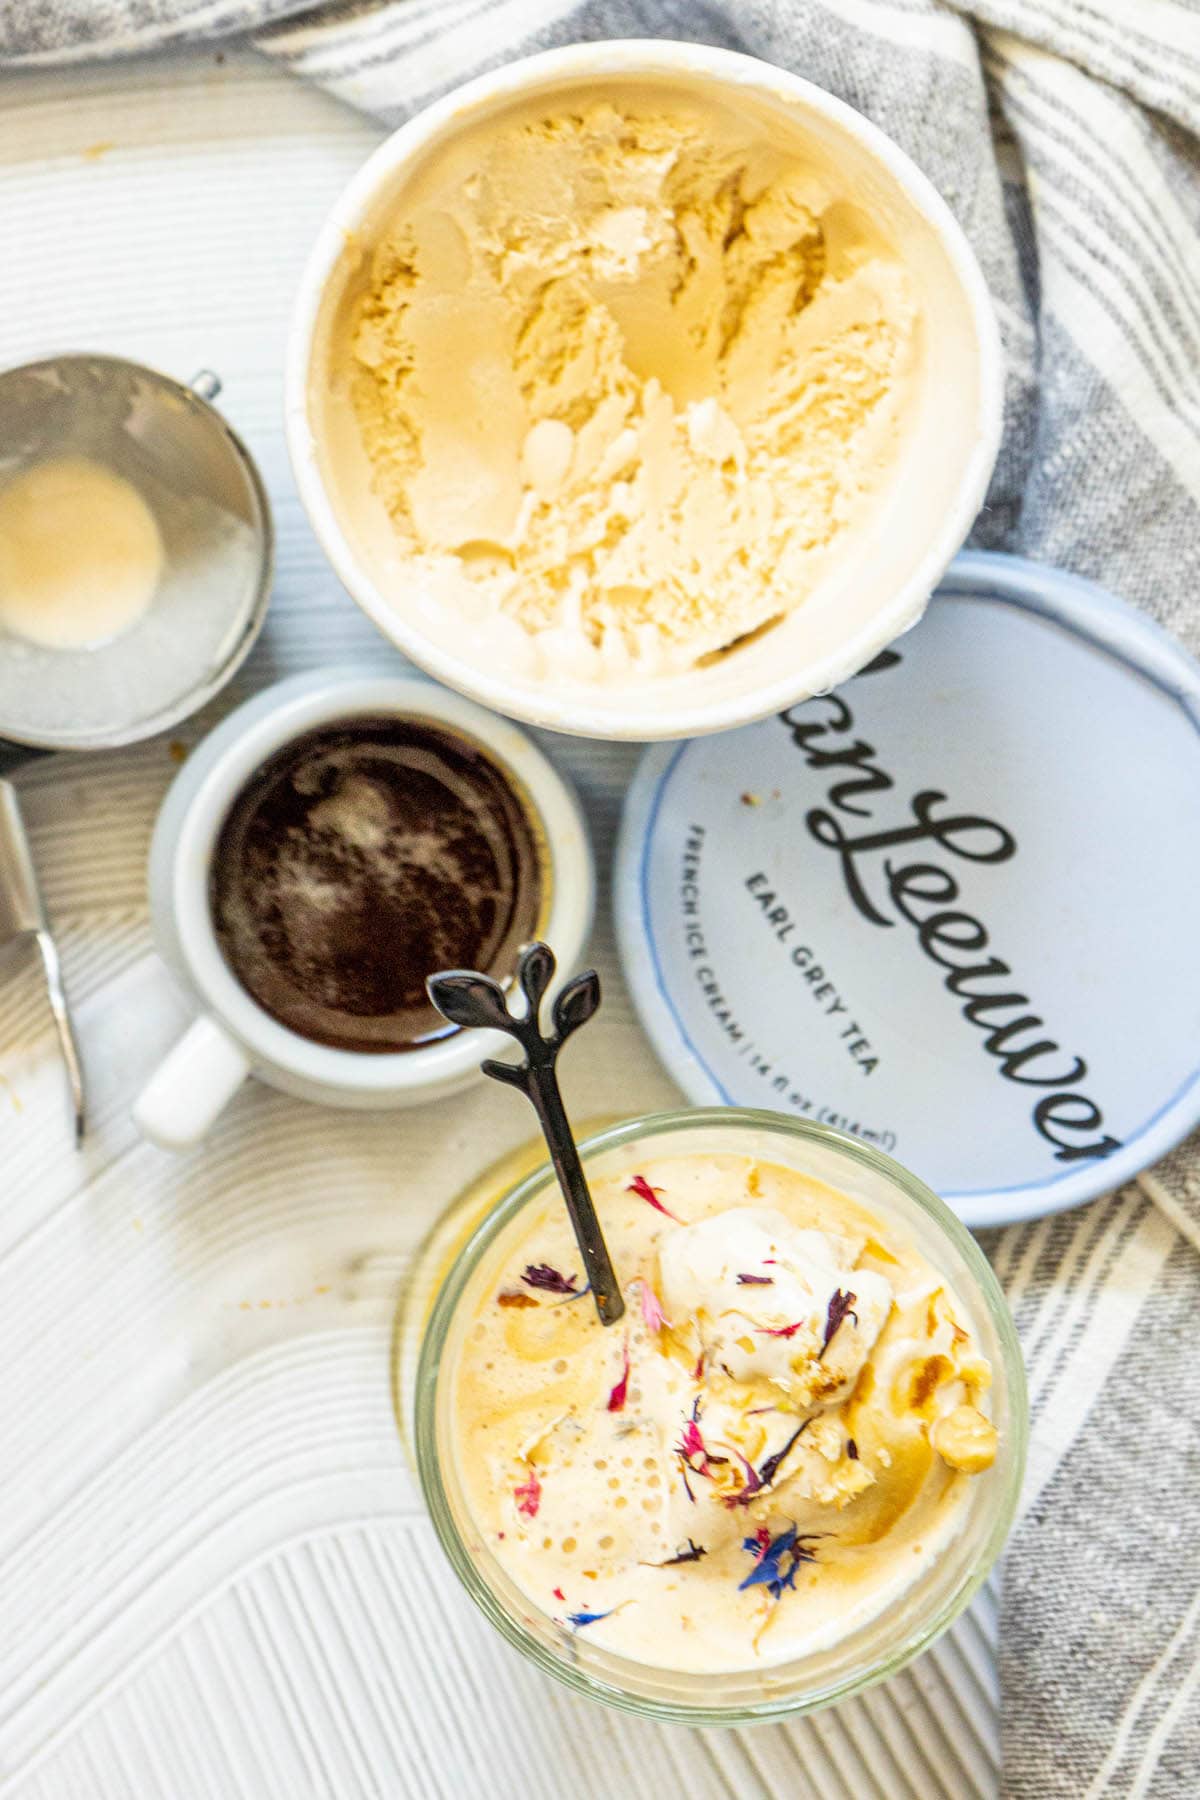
(459, 1263)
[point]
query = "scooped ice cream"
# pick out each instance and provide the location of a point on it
(769, 1450)
(626, 377)
(773, 1303)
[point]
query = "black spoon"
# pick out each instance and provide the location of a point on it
(468, 998)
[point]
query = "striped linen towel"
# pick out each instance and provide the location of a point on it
(1061, 132)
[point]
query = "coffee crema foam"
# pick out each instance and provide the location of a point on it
(360, 859)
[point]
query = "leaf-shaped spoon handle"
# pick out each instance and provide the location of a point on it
(476, 1001)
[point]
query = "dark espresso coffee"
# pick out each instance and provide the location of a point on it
(358, 860)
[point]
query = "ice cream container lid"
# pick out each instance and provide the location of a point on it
(949, 908)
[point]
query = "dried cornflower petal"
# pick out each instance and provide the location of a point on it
(691, 1443)
(852, 1449)
(577, 1619)
(839, 1308)
(756, 1281)
(758, 1480)
(653, 1316)
(693, 1553)
(541, 1275)
(776, 1562)
(770, 1468)
(749, 1487)
(691, 1447)
(529, 1495)
(641, 1187)
(617, 1398)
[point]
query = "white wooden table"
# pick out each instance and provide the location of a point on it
(216, 1579)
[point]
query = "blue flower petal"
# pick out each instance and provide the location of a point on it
(577, 1619)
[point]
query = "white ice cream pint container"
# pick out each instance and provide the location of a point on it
(864, 596)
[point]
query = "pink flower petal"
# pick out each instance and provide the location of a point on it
(692, 1442)
(641, 1187)
(529, 1495)
(652, 1312)
(616, 1400)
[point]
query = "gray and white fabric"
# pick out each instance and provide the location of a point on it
(1063, 135)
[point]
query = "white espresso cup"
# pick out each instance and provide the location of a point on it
(233, 1036)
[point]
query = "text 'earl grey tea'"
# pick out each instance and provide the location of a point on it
(360, 859)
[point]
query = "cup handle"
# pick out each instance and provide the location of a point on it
(198, 1078)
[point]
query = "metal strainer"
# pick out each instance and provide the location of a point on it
(206, 495)
(208, 501)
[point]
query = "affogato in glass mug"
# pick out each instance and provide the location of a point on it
(781, 1475)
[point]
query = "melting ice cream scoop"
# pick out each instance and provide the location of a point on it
(772, 1448)
(774, 1303)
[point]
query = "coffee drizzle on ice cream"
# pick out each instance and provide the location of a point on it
(827, 743)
